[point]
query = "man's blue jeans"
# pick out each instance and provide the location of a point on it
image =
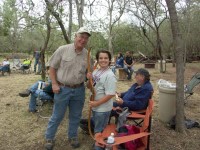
(37, 62)
(35, 93)
(73, 99)
(129, 71)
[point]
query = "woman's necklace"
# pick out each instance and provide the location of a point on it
(98, 74)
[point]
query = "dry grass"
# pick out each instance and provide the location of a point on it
(21, 130)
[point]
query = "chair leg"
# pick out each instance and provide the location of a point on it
(149, 128)
(40, 109)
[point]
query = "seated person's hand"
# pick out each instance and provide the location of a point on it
(119, 101)
(117, 108)
(118, 94)
(46, 84)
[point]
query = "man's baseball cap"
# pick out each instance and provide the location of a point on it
(83, 30)
(143, 72)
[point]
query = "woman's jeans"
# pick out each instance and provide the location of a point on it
(100, 120)
(74, 99)
(35, 93)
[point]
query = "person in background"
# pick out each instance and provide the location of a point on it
(68, 67)
(137, 97)
(128, 64)
(36, 56)
(119, 62)
(42, 90)
(5, 66)
(25, 64)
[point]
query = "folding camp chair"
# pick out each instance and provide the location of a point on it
(27, 68)
(4, 69)
(195, 80)
(44, 108)
(16, 65)
(143, 134)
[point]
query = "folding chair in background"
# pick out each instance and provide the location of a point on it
(144, 133)
(4, 69)
(27, 68)
(16, 64)
(195, 80)
(44, 107)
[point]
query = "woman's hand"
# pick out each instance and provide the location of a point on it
(93, 104)
(89, 75)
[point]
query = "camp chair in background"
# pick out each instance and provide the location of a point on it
(4, 69)
(16, 64)
(144, 133)
(195, 80)
(27, 68)
(44, 107)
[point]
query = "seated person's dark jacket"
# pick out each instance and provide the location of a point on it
(48, 89)
(136, 98)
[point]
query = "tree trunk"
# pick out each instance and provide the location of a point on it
(70, 21)
(45, 45)
(179, 53)
(80, 6)
(56, 15)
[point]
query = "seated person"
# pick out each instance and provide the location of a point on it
(137, 97)
(5, 66)
(25, 64)
(128, 64)
(45, 92)
(119, 62)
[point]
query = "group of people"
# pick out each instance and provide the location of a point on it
(126, 62)
(37, 62)
(5, 66)
(67, 72)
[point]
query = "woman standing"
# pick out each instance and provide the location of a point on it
(104, 82)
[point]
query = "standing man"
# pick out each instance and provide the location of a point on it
(37, 55)
(67, 71)
(128, 64)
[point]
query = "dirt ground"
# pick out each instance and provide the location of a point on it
(20, 130)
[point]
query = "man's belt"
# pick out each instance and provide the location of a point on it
(71, 86)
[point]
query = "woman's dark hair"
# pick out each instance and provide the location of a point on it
(104, 51)
(120, 55)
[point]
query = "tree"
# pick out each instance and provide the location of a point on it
(80, 7)
(44, 48)
(51, 9)
(70, 20)
(120, 6)
(152, 14)
(179, 53)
